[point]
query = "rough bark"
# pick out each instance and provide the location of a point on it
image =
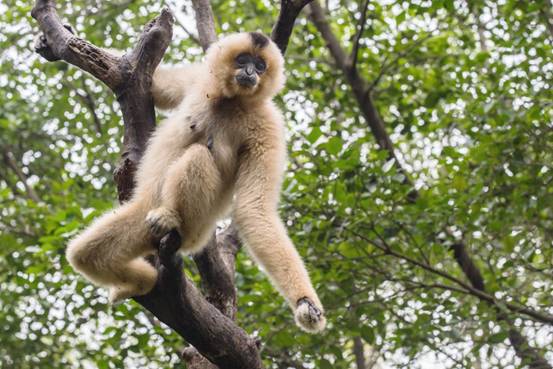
(216, 264)
(362, 92)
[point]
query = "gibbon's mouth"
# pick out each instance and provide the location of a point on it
(245, 80)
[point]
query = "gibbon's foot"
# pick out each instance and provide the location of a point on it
(161, 221)
(308, 316)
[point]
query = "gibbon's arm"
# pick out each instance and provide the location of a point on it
(255, 213)
(170, 84)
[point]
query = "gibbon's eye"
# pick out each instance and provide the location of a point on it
(260, 65)
(243, 59)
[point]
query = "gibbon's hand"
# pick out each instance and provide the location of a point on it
(43, 49)
(308, 316)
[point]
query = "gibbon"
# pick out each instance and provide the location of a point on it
(222, 147)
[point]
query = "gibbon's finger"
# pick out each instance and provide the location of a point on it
(309, 317)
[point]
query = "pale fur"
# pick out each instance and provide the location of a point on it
(181, 183)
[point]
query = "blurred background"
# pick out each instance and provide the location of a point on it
(430, 243)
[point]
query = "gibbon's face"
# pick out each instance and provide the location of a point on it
(246, 64)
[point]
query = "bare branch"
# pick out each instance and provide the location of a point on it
(282, 30)
(62, 44)
(86, 98)
(189, 33)
(9, 160)
(216, 264)
(204, 22)
(358, 84)
(178, 303)
(357, 39)
(480, 293)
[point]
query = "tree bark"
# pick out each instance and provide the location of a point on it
(359, 352)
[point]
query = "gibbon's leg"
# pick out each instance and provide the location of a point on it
(109, 251)
(256, 215)
(188, 197)
(169, 84)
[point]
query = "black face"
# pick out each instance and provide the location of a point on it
(249, 67)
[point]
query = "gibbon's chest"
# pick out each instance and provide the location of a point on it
(220, 126)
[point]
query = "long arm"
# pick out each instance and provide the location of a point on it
(258, 186)
(170, 84)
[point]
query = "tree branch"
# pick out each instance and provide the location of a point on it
(177, 302)
(357, 39)
(216, 264)
(359, 353)
(359, 86)
(9, 160)
(204, 22)
(282, 30)
(87, 99)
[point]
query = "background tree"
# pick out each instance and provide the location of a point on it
(419, 187)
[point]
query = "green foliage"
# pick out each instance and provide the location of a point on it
(471, 120)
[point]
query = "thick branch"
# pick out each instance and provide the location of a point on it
(282, 30)
(216, 264)
(204, 22)
(176, 302)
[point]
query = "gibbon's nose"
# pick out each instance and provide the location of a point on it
(249, 69)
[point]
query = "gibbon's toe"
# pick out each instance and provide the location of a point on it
(309, 317)
(161, 221)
